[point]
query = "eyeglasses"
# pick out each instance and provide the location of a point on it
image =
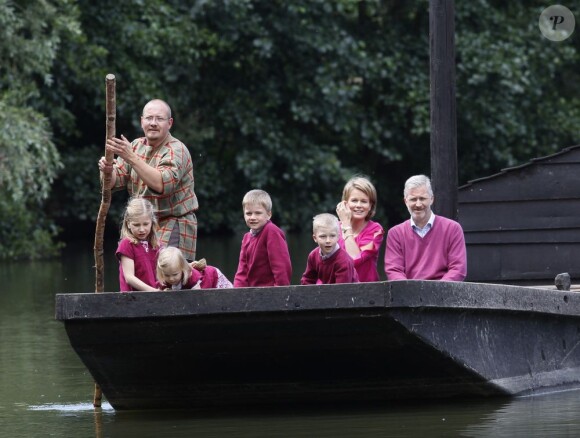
(156, 119)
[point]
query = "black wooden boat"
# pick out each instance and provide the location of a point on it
(325, 343)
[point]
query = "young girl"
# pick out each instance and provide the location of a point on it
(361, 237)
(175, 273)
(138, 248)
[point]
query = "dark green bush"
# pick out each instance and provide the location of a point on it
(26, 232)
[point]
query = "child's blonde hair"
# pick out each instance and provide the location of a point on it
(137, 207)
(325, 220)
(259, 197)
(363, 184)
(172, 258)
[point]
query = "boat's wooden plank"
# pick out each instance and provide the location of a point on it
(216, 301)
(412, 293)
(415, 293)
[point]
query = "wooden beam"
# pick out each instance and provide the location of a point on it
(443, 114)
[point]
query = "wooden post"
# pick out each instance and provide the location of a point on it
(111, 110)
(443, 115)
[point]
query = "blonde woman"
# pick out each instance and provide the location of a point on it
(360, 236)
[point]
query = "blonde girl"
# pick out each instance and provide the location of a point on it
(138, 248)
(173, 271)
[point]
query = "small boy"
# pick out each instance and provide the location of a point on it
(264, 256)
(328, 263)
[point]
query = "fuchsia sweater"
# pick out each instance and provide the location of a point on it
(366, 262)
(264, 259)
(145, 263)
(440, 255)
(338, 268)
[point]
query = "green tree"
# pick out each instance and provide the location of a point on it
(517, 92)
(30, 32)
(266, 94)
(295, 97)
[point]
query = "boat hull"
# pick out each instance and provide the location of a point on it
(324, 344)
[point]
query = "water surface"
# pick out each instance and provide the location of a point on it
(46, 391)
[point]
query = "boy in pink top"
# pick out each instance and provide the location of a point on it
(426, 247)
(328, 263)
(264, 257)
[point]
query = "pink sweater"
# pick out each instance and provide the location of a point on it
(440, 255)
(338, 268)
(145, 263)
(264, 259)
(366, 262)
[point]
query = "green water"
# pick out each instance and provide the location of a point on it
(46, 391)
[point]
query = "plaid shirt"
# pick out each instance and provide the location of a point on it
(177, 201)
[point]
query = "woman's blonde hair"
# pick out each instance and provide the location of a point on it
(363, 184)
(172, 258)
(137, 207)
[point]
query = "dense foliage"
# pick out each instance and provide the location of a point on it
(292, 97)
(30, 33)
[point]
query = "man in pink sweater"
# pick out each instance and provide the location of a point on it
(426, 247)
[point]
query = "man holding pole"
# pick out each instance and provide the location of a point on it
(159, 168)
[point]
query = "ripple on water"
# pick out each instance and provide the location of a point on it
(70, 407)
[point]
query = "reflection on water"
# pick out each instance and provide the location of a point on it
(542, 416)
(46, 391)
(545, 416)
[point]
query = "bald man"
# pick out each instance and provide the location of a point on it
(159, 168)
